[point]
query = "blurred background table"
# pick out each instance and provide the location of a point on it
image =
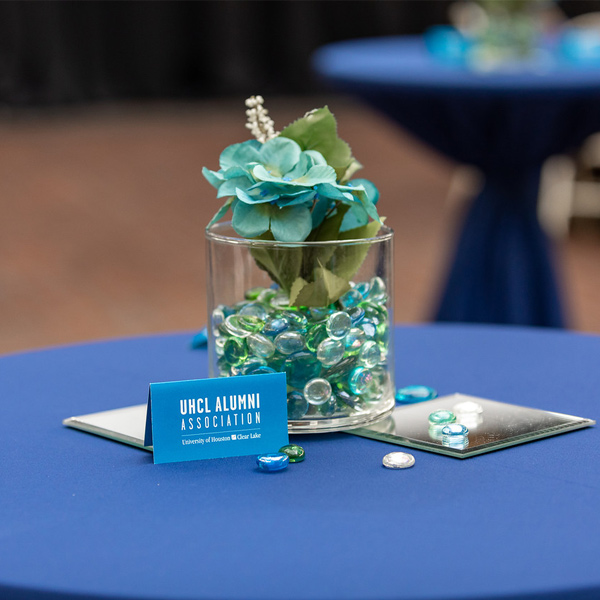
(82, 516)
(506, 123)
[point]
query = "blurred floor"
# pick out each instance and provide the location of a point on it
(103, 211)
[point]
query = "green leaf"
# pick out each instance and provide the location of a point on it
(282, 263)
(330, 227)
(324, 290)
(317, 130)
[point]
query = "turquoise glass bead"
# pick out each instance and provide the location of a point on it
(357, 314)
(296, 320)
(234, 351)
(315, 336)
(260, 345)
(363, 288)
(369, 328)
(360, 380)
(442, 417)
(415, 393)
(338, 325)
(251, 364)
(454, 430)
(294, 452)
(351, 299)
(377, 290)
(272, 462)
(254, 309)
(301, 368)
(275, 326)
(289, 342)
(319, 313)
(328, 408)
(297, 405)
(317, 391)
(369, 354)
(330, 352)
(354, 340)
(242, 326)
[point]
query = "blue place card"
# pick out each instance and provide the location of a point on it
(215, 418)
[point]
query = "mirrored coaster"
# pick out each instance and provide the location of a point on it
(491, 425)
(398, 460)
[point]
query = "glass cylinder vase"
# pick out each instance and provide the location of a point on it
(321, 312)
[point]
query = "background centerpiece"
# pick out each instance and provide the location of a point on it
(300, 278)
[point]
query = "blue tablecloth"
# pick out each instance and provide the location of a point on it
(82, 516)
(505, 123)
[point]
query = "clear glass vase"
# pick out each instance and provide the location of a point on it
(319, 311)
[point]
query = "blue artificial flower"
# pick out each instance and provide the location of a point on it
(278, 187)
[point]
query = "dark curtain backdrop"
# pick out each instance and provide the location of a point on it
(69, 52)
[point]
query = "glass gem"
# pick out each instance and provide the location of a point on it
(219, 345)
(360, 380)
(454, 430)
(234, 351)
(362, 288)
(346, 398)
(317, 391)
(319, 313)
(217, 319)
(295, 318)
(330, 352)
(289, 342)
(315, 336)
(253, 293)
(398, 460)
(242, 326)
(263, 370)
(338, 373)
(354, 340)
(328, 408)
(377, 290)
(442, 417)
(266, 295)
(415, 393)
(272, 462)
(369, 354)
(260, 345)
(338, 325)
(467, 407)
(351, 299)
(301, 368)
(356, 314)
(275, 326)
(297, 405)
(294, 453)
(254, 309)
(251, 364)
(369, 328)
(280, 299)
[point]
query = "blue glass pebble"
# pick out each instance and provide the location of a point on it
(415, 393)
(297, 405)
(274, 327)
(360, 380)
(357, 314)
(254, 309)
(351, 299)
(270, 463)
(454, 430)
(338, 325)
(442, 417)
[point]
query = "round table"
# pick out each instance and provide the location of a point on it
(507, 123)
(83, 516)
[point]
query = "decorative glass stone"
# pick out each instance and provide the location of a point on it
(219, 345)
(351, 299)
(251, 364)
(442, 417)
(354, 340)
(280, 299)
(328, 408)
(260, 345)
(369, 354)
(398, 460)
(301, 368)
(468, 407)
(319, 313)
(253, 293)
(315, 336)
(264, 370)
(360, 380)
(317, 391)
(415, 393)
(217, 319)
(254, 309)
(234, 351)
(363, 288)
(289, 342)
(338, 325)
(272, 462)
(377, 290)
(296, 319)
(346, 398)
(369, 328)
(454, 430)
(330, 351)
(297, 405)
(242, 326)
(275, 326)
(266, 295)
(294, 453)
(357, 314)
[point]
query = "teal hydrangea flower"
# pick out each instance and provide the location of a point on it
(278, 187)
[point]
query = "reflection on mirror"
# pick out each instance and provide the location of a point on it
(473, 425)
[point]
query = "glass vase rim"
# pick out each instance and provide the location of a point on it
(384, 234)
